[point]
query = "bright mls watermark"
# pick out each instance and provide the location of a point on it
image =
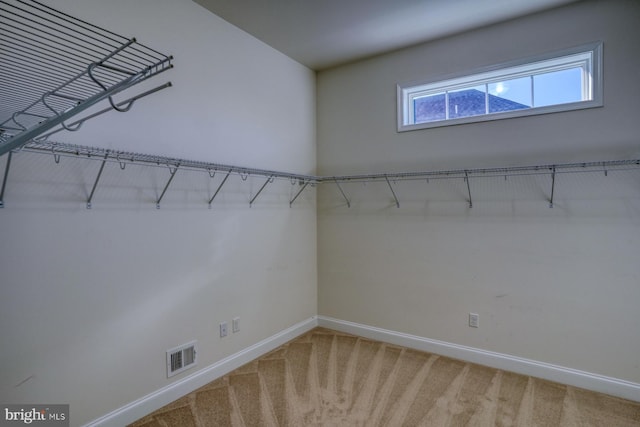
(36, 415)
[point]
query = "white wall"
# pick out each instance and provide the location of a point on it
(91, 299)
(555, 285)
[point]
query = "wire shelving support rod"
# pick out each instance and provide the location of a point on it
(392, 192)
(553, 185)
(172, 171)
(95, 184)
(335, 179)
(466, 179)
(4, 180)
(270, 179)
(219, 187)
(303, 186)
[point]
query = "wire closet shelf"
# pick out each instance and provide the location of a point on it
(173, 164)
(551, 170)
(54, 66)
(123, 158)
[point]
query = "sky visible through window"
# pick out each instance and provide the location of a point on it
(538, 90)
(558, 87)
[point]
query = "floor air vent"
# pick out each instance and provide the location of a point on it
(181, 358)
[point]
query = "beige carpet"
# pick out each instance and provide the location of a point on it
(327, 378)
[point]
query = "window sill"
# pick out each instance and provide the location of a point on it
(501, 116)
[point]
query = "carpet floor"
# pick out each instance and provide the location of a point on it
(327, 378)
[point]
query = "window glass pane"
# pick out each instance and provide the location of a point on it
(429, 108)
(510, 95)
(544, 85)
(558, 87)
(467, 102)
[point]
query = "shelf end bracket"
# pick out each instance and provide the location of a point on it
(342, 192)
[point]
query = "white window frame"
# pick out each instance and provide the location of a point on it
(589, 57)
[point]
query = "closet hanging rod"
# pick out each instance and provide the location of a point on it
(58, 149)
(549, 169)
(125, 157)
(54, 66)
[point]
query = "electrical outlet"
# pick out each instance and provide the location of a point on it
(223, 329)
(235, 325)
(474, 320)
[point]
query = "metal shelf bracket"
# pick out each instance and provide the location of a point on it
(172, 171)
(95, 184)
(270, 179)
(553, 186)
(299, 192)
(219, 186)
(342, 192)
(392, 192)
(466, 179)
(4, 180)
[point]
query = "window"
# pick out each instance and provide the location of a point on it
(567, 81)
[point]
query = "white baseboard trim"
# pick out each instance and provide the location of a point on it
(573, 377)
(159, 398)
(156, 400)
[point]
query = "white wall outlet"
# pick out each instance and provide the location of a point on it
(223, 329)
(235, 325)
(474, 320)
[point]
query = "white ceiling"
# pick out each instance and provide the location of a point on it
(325, 33)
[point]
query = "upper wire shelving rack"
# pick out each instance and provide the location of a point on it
(54, 66)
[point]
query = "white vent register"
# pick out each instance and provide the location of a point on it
(181, 358)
